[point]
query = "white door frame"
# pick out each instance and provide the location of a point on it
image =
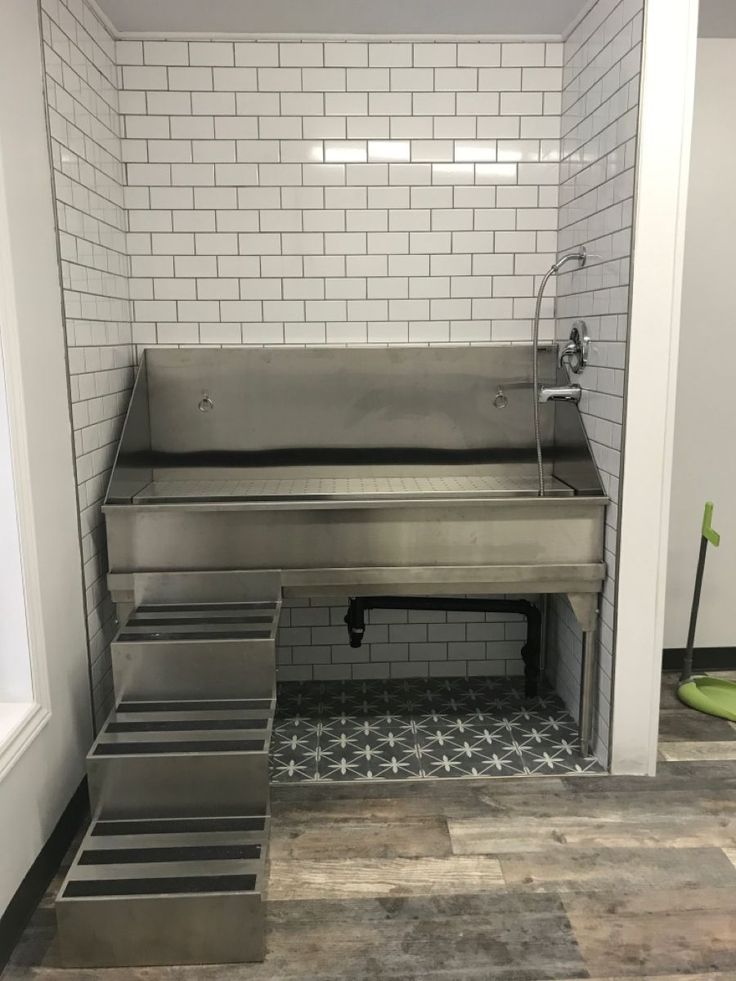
(667, 94)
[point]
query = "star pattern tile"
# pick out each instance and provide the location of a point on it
(406, 730)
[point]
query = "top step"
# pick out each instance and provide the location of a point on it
(155, 623)
(197, 650)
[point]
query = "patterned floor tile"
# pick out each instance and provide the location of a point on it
(404, 730)
(549, 762)
(371, 762)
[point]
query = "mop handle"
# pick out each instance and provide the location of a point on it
(708, 535)
(708, 532)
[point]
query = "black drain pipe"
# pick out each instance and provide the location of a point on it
(530, 652)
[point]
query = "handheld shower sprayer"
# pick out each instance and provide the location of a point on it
(581, 257)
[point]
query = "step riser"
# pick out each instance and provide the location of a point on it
(141, 931)
(177, 891)
(212, 669)
(199, 784)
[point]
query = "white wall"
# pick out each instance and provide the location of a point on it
(705, 456)
(717, 19)
(37, 784)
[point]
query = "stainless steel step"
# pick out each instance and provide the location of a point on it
(182, 758)
(166, 891)
(197, 650)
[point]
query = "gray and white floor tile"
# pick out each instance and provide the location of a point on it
(410, 729)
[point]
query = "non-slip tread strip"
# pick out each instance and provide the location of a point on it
(155, 621)
(169, 853)
(207, 705)
(187, 725)
(163, 748)
(176, 826)
(158, 636)
(213, 607)
(162, 886)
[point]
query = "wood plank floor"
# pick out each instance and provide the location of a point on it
(528, 879)
(687, 735)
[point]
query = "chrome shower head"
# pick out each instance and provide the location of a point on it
(580, 256)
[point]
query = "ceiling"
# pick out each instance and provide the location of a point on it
(717, 18)
(412, 17)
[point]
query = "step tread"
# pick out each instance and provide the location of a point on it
(193, 707)
(182, 856)
(156, 731)
(176, 622)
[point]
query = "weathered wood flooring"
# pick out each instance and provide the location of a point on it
(688, 735)
(528, 879)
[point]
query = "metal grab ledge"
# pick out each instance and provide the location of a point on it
(364, 489)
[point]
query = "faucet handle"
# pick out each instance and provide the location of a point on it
(575, 352)
(568, 352)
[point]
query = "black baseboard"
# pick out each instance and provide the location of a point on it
(704, 658)
(31, 890)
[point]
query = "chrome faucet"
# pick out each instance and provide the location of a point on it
(560, 393)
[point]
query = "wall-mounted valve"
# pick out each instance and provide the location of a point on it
(575, 352)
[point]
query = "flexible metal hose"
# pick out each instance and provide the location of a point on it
(581, 257)
(535, 378)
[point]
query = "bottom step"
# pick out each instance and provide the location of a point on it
(166, 891)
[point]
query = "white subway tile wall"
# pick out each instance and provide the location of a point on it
(600, 105)
(89, 175)
(313, 643)
(339, 192)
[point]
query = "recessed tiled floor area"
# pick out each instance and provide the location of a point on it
(394, 730)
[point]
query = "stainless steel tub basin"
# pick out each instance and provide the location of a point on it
(355, 469)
